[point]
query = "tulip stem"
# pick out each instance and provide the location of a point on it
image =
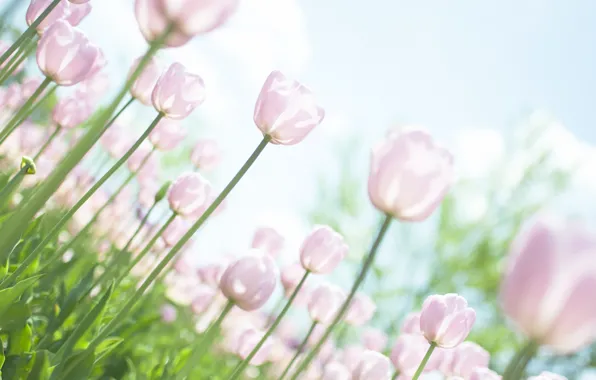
(395, 374)
(270, 330)
(121, 315)
(54, 232)
(22, 54)
(48, 142)
(519, 361)
(299, 350)
(200, 348)
(23, 112)
(29, 33)
(43, 99)
(117, 115)
(429, 352)
(366, 264)
(14, 183)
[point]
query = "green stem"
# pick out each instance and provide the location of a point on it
(48, 142)
(117, 115)
(395, 375)
(22, 54)
(270, 330)
(54, 232)
(43, 99)
(429, 352)
(519, 361)
(344, 307)
(299, 350)
(23, 112)
(14, 226)
(199, 349)
(178, 246)
(12, 185)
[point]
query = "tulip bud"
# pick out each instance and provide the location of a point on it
(324, 303)
(268, 240)
(286, 110)
(291, 276)
(143, 87)
(446, 320)
(162, 192)
(322, 250)
(372, 366)
(177, 92)
(194, 17)
(205, 155)
(28, 164)
(374, 339)
(408, 352)
(188, 193)
(361, 310)
(37, 7)
(249, 281)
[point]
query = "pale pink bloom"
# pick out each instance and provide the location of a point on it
(247, 340)
(291, 276)
(147, 192)
(409, 350)
(409, 175)
(350, 356)
(550, 282)
(324, 302)
(250, 280)
(361, 310)
(37, 7)
(167, 135)
(139, 157)
(175, 231)
(178, 92)
(411, 324)
(168, 313)
(206, 154)
(374, 339)
(182, 290)
(29, 86)
(484, 374)
(268, 240)
(322, 250)
(78, 12)
(13, 97)
(468, 357)
(189, 192)
(446, 319)
(286, 110)
(71, 112)
(203, 297)
(336, 371)
(65, 55)
(194, 17)
(210, 274)
(372, 366)
(142, 88)
(153, 24)
(116, 141)
(94, 88)
(546, 375)
(99, 63)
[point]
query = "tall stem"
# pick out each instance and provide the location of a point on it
(48, 142)
(54, 232)
(22, 54)
(178, 246)
(270, 330)
(370, 258)
(429, 352)
(204, 344)
(519, 361)
(299, 350)
(13, 184)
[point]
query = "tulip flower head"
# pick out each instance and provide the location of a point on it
(372, 366)
(269, 241)
(189, 192)
(324, 302)
(322, 250)
(37, 7)
(142, 88)
(446, 320)
(177, 92)
(206, 154)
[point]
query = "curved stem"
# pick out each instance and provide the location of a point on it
(344, 307)
(178, 246)
(48, 142)
(195, 355)
(54, 232)
(429, 352)
(270, 330)
(299, 350)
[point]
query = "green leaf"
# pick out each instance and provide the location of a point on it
(105, 347)
(41, 366)
(17, 366)
(78, 366)
(15, 317)
(19, 341)
(8, 296)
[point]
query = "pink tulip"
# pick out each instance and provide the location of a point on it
(545, 375)
(249, 281)
(116, 141)
(409, 176)
(194, 17)
(99, 64)
(29, 86)
(408, 352)
(247, 340)
(13, 97)
(361, 310)
(71, 112)
(446, 320)
(372, 366)
(350, 356)
(210, 274)
(65, 55)
(78, 13)
(37, 7)
(137, 158)
(203, 298)
(206, 154)
(188, 193)
(142, 88)
(411, 324)
(374, 339)
(175, 231)
(322, 250)
(468, 357)
(291, 276)
(269, 241)
(93, 89)
(336, 371)
(167, 135)
(153, 24)
(324, 303)
(147, 191)
(549, 284)
(286, 110)
(178, 92)
(484, 374)
(168, 313)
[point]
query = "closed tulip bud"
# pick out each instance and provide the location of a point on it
(153, 24)
(361, 310)
(286, 110)
(372, 366)
(194, 17)
(291, 276)
(71, 112)
(374, 339)
(167, 135)
(408, 351)
(411, 324)
(206, 154)
(246, 342)
(546, 375)
(143, 87)
(65, 55)
(322, 250)
(468, 357)
(178, 92)
(188, 193)
(549, 284)
(37, 7)
(324, 303)
(446, 320)
(249, 281)
(409, 175)
(484, 374)
(269, 241)
(336, 371)
(78, 13)
(162, 192)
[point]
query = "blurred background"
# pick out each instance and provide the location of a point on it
(508, 86)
